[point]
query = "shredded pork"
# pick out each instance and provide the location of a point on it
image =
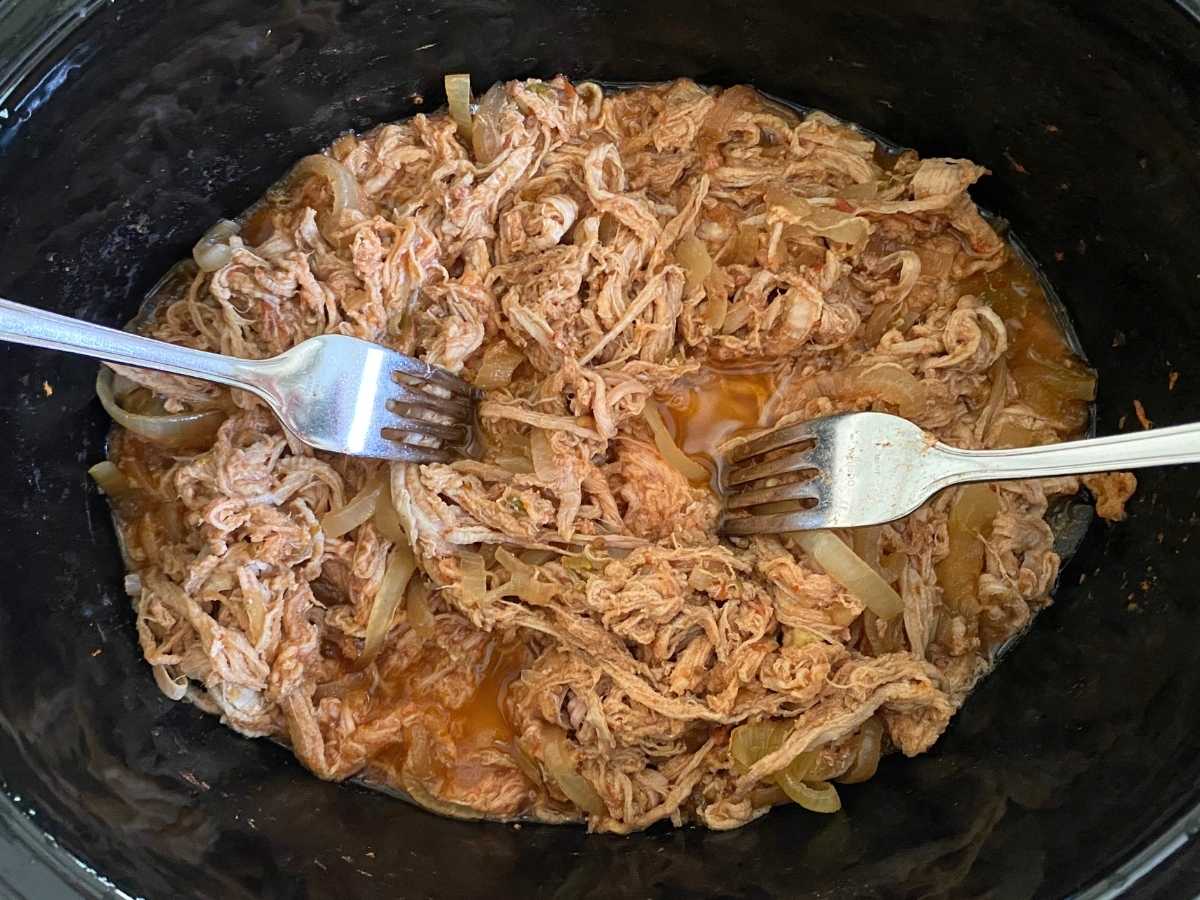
(630, 635)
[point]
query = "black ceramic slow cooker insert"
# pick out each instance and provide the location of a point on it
(128, 126)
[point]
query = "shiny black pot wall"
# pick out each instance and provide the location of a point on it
(1073, 768)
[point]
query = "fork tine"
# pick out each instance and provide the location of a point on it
(801, 520)
(801, 459)
(451, 406)
(772, 440)
(457, 433)
(413, 453)
(433, 375)
(799, 490)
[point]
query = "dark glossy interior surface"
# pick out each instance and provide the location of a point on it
(154, 118)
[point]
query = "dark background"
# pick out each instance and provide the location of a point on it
(152, 119)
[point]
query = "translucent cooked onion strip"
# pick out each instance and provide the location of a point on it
(843, 227)
(889, 382)
(670, 451)
(420, 614)
(458, 97)
(560, 766)
(523, 582)
(518, 465)
(692, 254)
(845, 567)
(744, 249)
(212, 251)
(974, 509)
(173, 686)
(168, 429)
(342, 183)
(474, 578)
(387, 520)
(111, 480)
(870, 748)
(542, 455)
(487, 137)
(421, 796)
(396, 575)
(362, 507)
(750, 742)
(818, 796)
(496, 369)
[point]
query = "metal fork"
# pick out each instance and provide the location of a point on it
(333, 392)
(868, 468)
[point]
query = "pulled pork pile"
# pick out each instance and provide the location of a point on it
(577, 642)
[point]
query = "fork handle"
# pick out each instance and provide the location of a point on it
(22, 324)
(1138, 450)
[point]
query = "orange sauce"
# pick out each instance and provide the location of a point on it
(1051, 379)
(716, 405)
(479, 723)
(482, 720)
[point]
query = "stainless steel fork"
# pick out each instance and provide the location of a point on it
(333, 392)
(867, 468)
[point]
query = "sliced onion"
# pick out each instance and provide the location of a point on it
(526, 764)
(798, 637)
(751, 741)
(670, 451)
(891, 565)
(883, 318)
(744, 249)
(212, 251)
(111, 480)
(400, 567)
(818, 797)
(341, 182)
(421, 796)
(387, 520)
(474, 578)
(420, 615)
(692, 254)
(518, 465)
(523, 582)
(847, 569)
(1070, 384)
(542, 455)
(716, 124)
(893, 384)
(889, 382)
(870, 748)
(997, 396)
(487, 138)
(974, 509)
(716, 310)
(354, 513)
(496, 369)
(1013, 434)
(169, 429)
(458, 96)
(865, 542)
(560, 766)
(843, 227)
(174, 686)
